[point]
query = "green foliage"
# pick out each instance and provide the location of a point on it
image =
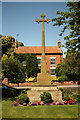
(69, 69)
(8, 44)
(13, 70)
(76, 97)
(62, 78)
(20, 57)
(4, 57)
(70, 20)
(66, 97)
(58, 70)
(10, 92)
(46, 97)
(66, 94)
(31, 63)
(23, 98)
(66, 91)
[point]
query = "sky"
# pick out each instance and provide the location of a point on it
(19, 18)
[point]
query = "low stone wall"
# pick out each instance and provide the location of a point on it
(66, 83)
(73, 89)
(5, 81)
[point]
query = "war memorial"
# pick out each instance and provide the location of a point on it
(43, 78)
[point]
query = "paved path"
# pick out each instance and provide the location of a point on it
(57, 86)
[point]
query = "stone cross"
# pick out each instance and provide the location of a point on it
(43, 78)
(43, 63)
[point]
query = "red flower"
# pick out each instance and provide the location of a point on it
(38, 103)
(17, 100)
(53, 103)
(70, 101)
(64, 94)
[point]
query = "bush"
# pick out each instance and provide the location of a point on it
(66, 97)
(66, 92)
(62, 78)
(9, 93)
(76, 97)
(46, 97)
(23, 98)
(13, 70)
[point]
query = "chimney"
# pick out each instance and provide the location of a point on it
(15, 44)
(59, 43)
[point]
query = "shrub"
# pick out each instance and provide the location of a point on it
(46, 97)
(9, 93)
(23, 98)
(62, 78)
(66, 97)
(66, 92)
(13, 70)
(76, 97)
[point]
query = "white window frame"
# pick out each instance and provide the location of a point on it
(38, 59)
(52, 68)
(50, 61)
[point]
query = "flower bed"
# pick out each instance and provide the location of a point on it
(70, 102)
(46, 99)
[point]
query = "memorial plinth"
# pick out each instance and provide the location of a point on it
(35, 92)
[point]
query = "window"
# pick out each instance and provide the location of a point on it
(52, 71)
(39, 61)
(52, 61)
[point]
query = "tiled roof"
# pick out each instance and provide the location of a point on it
(37, 49)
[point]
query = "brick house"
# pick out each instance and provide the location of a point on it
(53, 55)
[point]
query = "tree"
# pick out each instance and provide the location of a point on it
(4, 57)
(61, 73)
(70, 20)
(69, 69)
(13, 70)
(8, 44)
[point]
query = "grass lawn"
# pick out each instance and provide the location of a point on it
(56, 111)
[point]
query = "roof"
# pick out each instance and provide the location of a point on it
(37, 49)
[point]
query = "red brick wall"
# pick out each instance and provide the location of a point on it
(47, 58)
